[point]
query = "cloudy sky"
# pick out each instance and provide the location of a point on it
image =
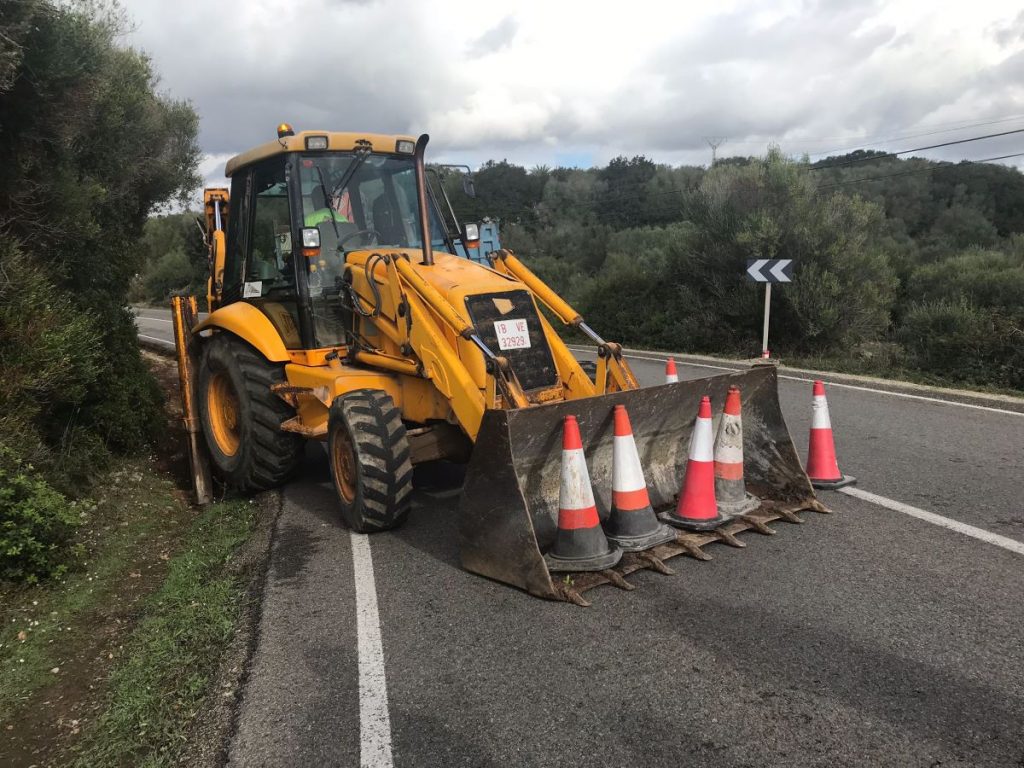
(561, 82)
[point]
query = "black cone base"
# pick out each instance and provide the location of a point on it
(693, 525)
(636, 529)
(595, 563)
(832, 485)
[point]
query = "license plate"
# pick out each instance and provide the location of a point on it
(512, 334)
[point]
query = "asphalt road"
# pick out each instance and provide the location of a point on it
(867, 637)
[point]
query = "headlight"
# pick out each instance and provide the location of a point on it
(310, 237)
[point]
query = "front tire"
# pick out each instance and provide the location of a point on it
(370, 462)
(241, 417)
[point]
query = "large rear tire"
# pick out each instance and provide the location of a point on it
(241, 417)
(370, 462)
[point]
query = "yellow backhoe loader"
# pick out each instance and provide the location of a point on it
(339, 313)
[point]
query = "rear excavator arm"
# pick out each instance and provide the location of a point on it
(613, 372)
(215, 207)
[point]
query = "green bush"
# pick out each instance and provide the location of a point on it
(92, 148)
(50, 354)
(960, 341)
(36, 524)
(984, 278)
(682, 286)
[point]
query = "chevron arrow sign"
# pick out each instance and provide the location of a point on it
(770, 270)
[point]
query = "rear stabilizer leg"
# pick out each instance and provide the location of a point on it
(184, 315)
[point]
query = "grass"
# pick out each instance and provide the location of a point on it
(172, 655)
(42, 625)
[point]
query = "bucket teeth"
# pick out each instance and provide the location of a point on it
(693, 550)
(728, 538)
(572, 595)
(656, 564)
(615, 579)
(757, 525)
(690, 543)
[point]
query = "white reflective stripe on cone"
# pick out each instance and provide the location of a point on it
(671, 378)
(575, 491)
(729, 449)
(627, 474)
(819, 413)
(702, 441)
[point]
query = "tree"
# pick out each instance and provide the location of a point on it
(89, 151)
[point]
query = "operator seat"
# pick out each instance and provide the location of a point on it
(384, 222)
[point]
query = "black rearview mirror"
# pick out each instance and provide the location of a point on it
(467, 186)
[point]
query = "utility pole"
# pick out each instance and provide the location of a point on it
(714, 142)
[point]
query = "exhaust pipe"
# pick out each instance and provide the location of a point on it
(421, 198)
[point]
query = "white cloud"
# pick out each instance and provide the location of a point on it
(538, 81)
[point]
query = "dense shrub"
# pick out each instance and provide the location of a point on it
(960, 341)
(682, 286)
(36, 524)
(50, 353)
(89, 149)
(985, 278)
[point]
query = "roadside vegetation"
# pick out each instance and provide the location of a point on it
(909, 268)
(903, 267)
(90, 150)
(171, 657)
(116, 595)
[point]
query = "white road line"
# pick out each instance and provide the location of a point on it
(154, 338)
(967, 530)
(374, 720)
(906, 395)
(154, 319)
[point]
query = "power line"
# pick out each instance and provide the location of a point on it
(871, 139)
(920, 170)
(866, 143)
(916, 149)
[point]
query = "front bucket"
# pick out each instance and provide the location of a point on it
(509, 506)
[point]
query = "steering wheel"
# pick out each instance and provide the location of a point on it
(357, 233)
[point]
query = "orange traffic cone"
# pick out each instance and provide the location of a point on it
(730, 489)
(631, 523)
(671, 377)
(822, 467)
(697, 509)
(580, 544)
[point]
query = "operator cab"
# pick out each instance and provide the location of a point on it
(299, 205)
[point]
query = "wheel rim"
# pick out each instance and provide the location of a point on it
(343, 461)
(223, 410)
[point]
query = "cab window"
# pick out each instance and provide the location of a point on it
(269, 269)
(269, 276)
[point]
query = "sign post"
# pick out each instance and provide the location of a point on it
(768, 271)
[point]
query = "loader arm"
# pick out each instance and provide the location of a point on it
(613, 372)
(413, 315)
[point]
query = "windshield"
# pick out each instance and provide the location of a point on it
(356, 201)
(371, 203)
